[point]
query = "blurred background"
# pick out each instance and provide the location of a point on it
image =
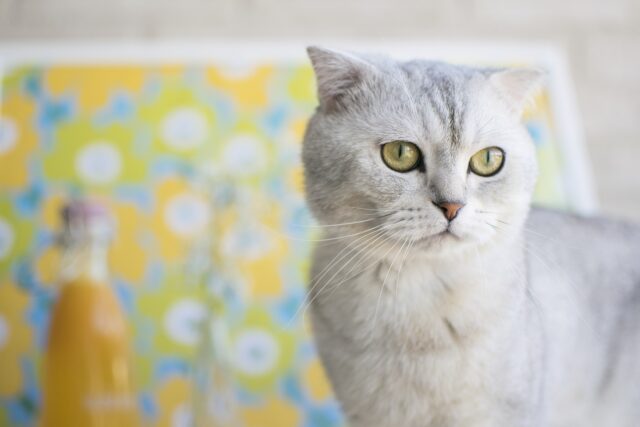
(196, 158)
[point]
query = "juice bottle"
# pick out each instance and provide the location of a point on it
(87, 374)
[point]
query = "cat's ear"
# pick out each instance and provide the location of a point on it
(336, 73)
(517, 86)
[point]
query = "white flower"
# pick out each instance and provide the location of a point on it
(99, 163)
(186, 214)
(183, 321)
(7, 238)
(184, 129)
(244, 155)
(256, 352)
(8, 134)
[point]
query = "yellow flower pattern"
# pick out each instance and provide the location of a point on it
(15, 337)
(174, 403)
(17, 140)
(92, 86)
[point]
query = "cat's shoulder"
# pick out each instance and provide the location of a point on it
(571, 225)
(584, 240)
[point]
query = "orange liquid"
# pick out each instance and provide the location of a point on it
(87, 377)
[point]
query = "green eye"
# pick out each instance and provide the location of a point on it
(487, 162)
(401, 156)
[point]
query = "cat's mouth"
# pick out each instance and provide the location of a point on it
(447, 233)
(439, 237)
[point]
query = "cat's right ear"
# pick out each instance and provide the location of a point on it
(336, 73)
(518, 86)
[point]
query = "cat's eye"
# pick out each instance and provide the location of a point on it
(487, 162)
(401, 156)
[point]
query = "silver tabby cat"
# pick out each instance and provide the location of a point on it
(439, 298)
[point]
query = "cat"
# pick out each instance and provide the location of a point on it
(438, 297)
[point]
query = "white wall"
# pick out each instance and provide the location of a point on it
(601, 37)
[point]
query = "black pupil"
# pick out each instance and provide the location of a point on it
(400, 150)
(488, 156)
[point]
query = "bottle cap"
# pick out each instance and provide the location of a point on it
(85, 218)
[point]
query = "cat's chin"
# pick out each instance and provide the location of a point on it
(442, 237)
(449, 242)
(445, 241)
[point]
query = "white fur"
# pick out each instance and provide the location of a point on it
(425, 323)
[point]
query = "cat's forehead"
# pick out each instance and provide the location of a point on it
(438, 97)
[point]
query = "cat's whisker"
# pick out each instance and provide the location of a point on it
(349, 246)
(377, 210)
(377, 227)
(326, 239)
(390, 225)
(347, 275)
(342, 224)
(376, 243)
(547, 237)
(495, 227)
(481, 211)
(487, 134)
(485, 124)
(374, 263)
(381, 240)
(375, 314)
(368, 217)
(355, 245)
(380, 234)
(509, 226)
(404, 258)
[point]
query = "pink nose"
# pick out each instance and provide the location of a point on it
(450, 210)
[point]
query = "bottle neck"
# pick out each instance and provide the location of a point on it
(85, 260)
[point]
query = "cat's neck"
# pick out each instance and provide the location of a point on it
(491, 262)
(423, 301)
(468, 295)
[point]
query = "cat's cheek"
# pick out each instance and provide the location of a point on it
(493, 190)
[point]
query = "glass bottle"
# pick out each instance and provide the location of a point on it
(214, 395)
(87, 379)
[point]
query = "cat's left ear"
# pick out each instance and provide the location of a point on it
(517, 86)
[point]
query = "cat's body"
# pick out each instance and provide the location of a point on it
(480, 316)
(554, 342)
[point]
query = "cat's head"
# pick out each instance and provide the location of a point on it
(422, 151)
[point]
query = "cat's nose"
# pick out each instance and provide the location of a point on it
(449, 209)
